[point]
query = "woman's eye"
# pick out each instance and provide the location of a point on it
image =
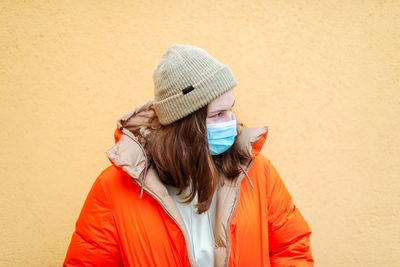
(218, 115)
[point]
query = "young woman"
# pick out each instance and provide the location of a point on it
(188, 185)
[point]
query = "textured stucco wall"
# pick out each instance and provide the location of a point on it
(324, 75)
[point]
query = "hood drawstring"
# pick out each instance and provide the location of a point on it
(145, 162)
(143, 178)
(141, 191)
(248, 178)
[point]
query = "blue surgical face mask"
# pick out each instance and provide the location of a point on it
(221, 136)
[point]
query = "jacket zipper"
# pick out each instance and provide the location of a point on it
(232, 212)
(188, 246)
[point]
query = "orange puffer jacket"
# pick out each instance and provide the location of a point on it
(129, 219)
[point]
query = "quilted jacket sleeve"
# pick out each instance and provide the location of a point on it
(95, 240)
(289, 233)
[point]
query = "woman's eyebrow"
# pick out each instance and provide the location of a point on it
(222, 110)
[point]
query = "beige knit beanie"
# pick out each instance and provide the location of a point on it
(187, 79)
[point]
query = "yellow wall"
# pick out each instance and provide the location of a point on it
(323, 75)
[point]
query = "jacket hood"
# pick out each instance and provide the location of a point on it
(129, 154)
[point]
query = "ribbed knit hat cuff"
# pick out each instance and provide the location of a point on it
(180, 105)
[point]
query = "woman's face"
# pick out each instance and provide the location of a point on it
(219, 110)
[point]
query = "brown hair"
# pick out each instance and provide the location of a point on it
(182, 159)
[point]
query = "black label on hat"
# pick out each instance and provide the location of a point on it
(188, 89)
